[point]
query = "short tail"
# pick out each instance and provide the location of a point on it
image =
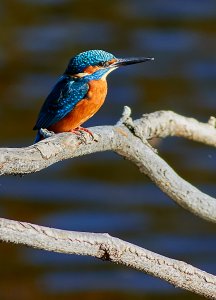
(38, 137)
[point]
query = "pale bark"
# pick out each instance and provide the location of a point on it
(109, 248)
(130, 139)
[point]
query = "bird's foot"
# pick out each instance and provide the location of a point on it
(79, 132)
(80, 129)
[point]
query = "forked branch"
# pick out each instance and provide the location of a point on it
(130, 139)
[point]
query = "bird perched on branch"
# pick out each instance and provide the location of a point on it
(80, 91)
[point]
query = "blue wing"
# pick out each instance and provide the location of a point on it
(64, 96)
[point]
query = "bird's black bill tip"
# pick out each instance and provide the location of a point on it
(131, 61)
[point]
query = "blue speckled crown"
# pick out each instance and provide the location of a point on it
(88, 58)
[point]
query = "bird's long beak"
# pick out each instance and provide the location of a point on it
(130, 61)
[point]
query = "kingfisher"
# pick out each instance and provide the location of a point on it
(80, 91)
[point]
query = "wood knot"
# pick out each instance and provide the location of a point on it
(104, 252)
(109, 253)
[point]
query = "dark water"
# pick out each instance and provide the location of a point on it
(102, 192)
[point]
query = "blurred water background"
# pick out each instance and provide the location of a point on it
(103, 192)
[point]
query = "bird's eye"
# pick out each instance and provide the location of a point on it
(103, 64)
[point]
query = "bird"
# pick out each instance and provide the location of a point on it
(79, 92)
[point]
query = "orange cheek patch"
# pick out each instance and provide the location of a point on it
(112, 61)
(91, 69)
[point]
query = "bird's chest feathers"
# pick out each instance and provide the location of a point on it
(94, 99)
(97, 92)
(85, 108)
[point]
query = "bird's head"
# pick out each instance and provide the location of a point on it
(92, 61)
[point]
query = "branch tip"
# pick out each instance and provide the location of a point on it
(126, 111)
(125, 116)
(212, 121)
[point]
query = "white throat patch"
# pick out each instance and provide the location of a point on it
(80, 75)
(108, 71)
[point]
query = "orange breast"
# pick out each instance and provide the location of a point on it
(84, 109)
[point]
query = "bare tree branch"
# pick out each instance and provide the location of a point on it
(129, 139)
(167, 123)
(109, 248)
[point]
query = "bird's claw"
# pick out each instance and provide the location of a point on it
(81, 129)
(79, 132)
